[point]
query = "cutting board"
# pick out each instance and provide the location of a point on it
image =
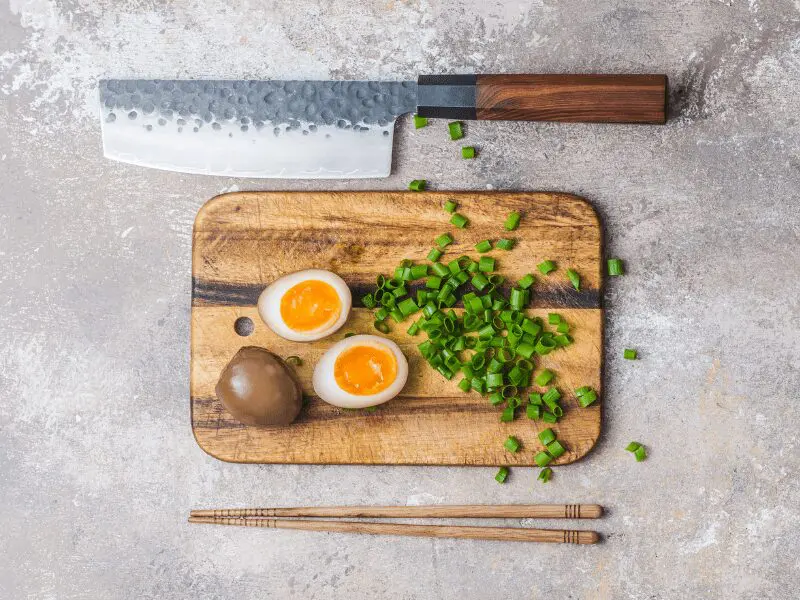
(244, 241)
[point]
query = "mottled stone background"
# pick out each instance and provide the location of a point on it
(98, 466)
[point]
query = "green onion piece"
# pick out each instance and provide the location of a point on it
(531, 327)
(396, 315)
(468, 152)
(562, 340)
(517, 299)
(514, 402)
(413, 330)
(629, 354)
(480, 282)
(546, 267)
(505, 244)
(563, 327)
(486, 264)
(494, 380)
(420, 122)
(434, 255)
(546, 436)
(587, 399)
(542, 459)
(549, 418)
(502, 475)
(615, 267)
(450, 206)
(535, 398)
(419, 271)
(456, 130)
(369, 301)
(496, 398)
(507, 415)
(444, 240)
(511, 444)
(440, 269)
(512, 221)
(349, 334)
(433, 283)
(526, 282)
(509, 391)
(478, 384)
(418, 185)
(294, 360)
(582, 390)
(551, 395)
(381, 326)
(573, 276)
(483, 246)
(633, 446)
(545, 474)
(544, 345)
(459, 220)
(399, 292)
(553, 318)
(525, 350)
(534, 411)
(555, 448)
(544, 377)
(640, 453)
(381, 313)
(407, 307)
(464, 385)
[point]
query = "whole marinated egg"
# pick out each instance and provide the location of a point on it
(360, 371)
(305, 306)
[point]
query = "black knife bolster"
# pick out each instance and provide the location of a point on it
(447, 96)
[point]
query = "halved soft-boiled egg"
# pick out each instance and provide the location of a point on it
(305, 306)
(360, 371)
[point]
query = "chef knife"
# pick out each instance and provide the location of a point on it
(339, 129)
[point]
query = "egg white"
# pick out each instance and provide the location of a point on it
(269, 304)
(324, 381)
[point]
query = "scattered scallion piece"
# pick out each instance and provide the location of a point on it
(381, 326)
(468, 152)
(456, 130)
(546, 267)
(486, 264)
(638, 451)
(450, 206)
(544, 377)
(418, 185)
(444, 240)
(512, 221)
(483, 246)
(511, 444)
(502, 475)
(507, 415)
(349, 334)
(633, 446)
(526, 282)
(554, 318)
(574, 278)
(459, 220)
(545, 474)
(542, 459)
(294, 360)
(556, 449)
(506, 244)
(420, 122)
(533, 411)
(586, 396)
(546, 436)
(629, 354)
(615, 267)
(434, 255)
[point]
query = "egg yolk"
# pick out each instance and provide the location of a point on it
(365, 370)
(310, 305)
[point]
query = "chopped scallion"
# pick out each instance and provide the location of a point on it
(544, 377)
(545, 474)
(444, 240)
(555, 448)
(546, 267)
(512, 222)
(450, 206)
(629, 354)
(506, 244)
(418, 185)
(459, 220)
(574, 278)
(468, 152)
(526, 282)
(434, 255)
(502, 475)
(420, 122)
(542, 459)
(456, 130)
(511, 444)
(615, 267)
(546, 436)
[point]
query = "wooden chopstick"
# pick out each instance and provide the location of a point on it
(508, 534)
(473, 511)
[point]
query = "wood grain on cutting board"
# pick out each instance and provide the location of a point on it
(244, 241)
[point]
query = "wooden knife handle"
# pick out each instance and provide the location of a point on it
(573, 98)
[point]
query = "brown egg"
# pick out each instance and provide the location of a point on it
(259, 388)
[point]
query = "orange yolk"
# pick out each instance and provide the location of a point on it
(310, 305)
(365, 370)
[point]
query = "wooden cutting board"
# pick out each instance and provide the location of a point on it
(244, 241)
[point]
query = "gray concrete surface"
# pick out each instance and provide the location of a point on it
(98, 467)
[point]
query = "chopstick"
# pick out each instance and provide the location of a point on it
(508, 534)
(471, 511)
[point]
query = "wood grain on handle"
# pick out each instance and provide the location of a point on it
(574, 98)
(508, 534)
(509, 511)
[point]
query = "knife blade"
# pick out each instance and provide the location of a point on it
(338, 129)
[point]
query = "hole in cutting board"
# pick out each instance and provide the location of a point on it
(244, 326)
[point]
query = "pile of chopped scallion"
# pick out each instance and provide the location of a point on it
(492, 343)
